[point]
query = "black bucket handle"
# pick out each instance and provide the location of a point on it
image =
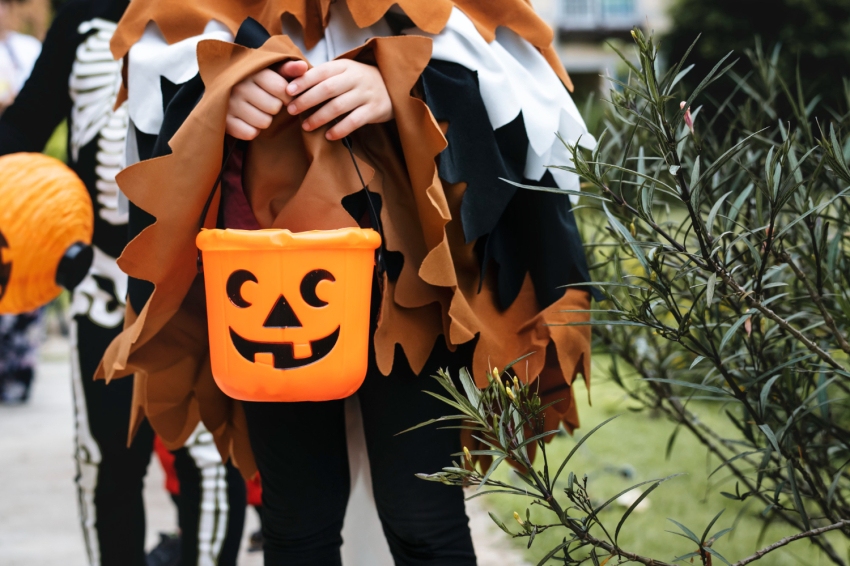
(380, 266)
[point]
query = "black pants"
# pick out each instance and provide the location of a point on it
(302, 455)
(110, 476)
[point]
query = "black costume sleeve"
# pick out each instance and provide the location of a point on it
(521, 231)
(44, 102)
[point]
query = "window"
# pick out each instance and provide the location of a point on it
(617, 8)
(578, 14)
(597, 14)
(578, 8)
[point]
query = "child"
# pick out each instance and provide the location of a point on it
(441, 101)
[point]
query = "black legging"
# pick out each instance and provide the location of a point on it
(302, 456)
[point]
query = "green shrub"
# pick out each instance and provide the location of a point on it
(722, 253)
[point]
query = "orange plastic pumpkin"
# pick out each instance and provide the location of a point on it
(288, 312)
(46, 225)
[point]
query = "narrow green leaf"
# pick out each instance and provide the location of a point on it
(471, 389)
(771, 437)
(712, 76)
(581, 441)
(715, 209)
(671, 441)
(679, 77)
(557, 191)
(551, 554)
(432, 421)
(597, 510)
(798, 501)
(499, 524)
(677, 69)
(717, 555)
(709, 291)
(688, 532)
(628, 237)
(696, 186)
(729, 154)
(834, 486)
(492, 469)
(733, 329)
(737, 204)
(733, 458)
(637, 502)
(689, 385)
(518, 360)
(711, 524)
(765, 392)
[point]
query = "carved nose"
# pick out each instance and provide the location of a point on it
(282, 316)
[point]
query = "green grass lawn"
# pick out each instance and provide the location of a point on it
(57, 144)
(631, 449)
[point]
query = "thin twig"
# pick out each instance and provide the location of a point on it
(787, 540)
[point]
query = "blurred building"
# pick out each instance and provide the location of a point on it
(584, 26)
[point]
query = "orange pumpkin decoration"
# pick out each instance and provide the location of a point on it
(288, 313)
(46, 225)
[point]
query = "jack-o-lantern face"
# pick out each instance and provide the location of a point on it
(282, 316)
(5, 267)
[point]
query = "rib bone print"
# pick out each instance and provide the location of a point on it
(94, 83)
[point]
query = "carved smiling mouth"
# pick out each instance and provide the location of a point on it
(283, 353)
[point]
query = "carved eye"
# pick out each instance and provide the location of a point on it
(282, 355)
(309, 284)
(234, 287)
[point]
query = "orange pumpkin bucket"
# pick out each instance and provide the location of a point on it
(288, 313)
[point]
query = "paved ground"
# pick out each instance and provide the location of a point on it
(38, 513)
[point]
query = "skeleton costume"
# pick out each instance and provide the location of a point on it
(76, 78)
(476, 268)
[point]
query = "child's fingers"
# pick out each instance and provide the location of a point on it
(357, 119)
(333, 109)
(292, 69)
(250, 114)
(324, 91)
(256, 96)
(315, 76)
(239, 129)
(272, 83)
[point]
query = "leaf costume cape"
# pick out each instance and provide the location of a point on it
(470, 257)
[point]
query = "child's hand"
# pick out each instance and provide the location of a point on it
(257, 100)
(346, 87)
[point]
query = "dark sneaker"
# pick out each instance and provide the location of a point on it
(255, 543)
(166, 553)
(15, 387)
